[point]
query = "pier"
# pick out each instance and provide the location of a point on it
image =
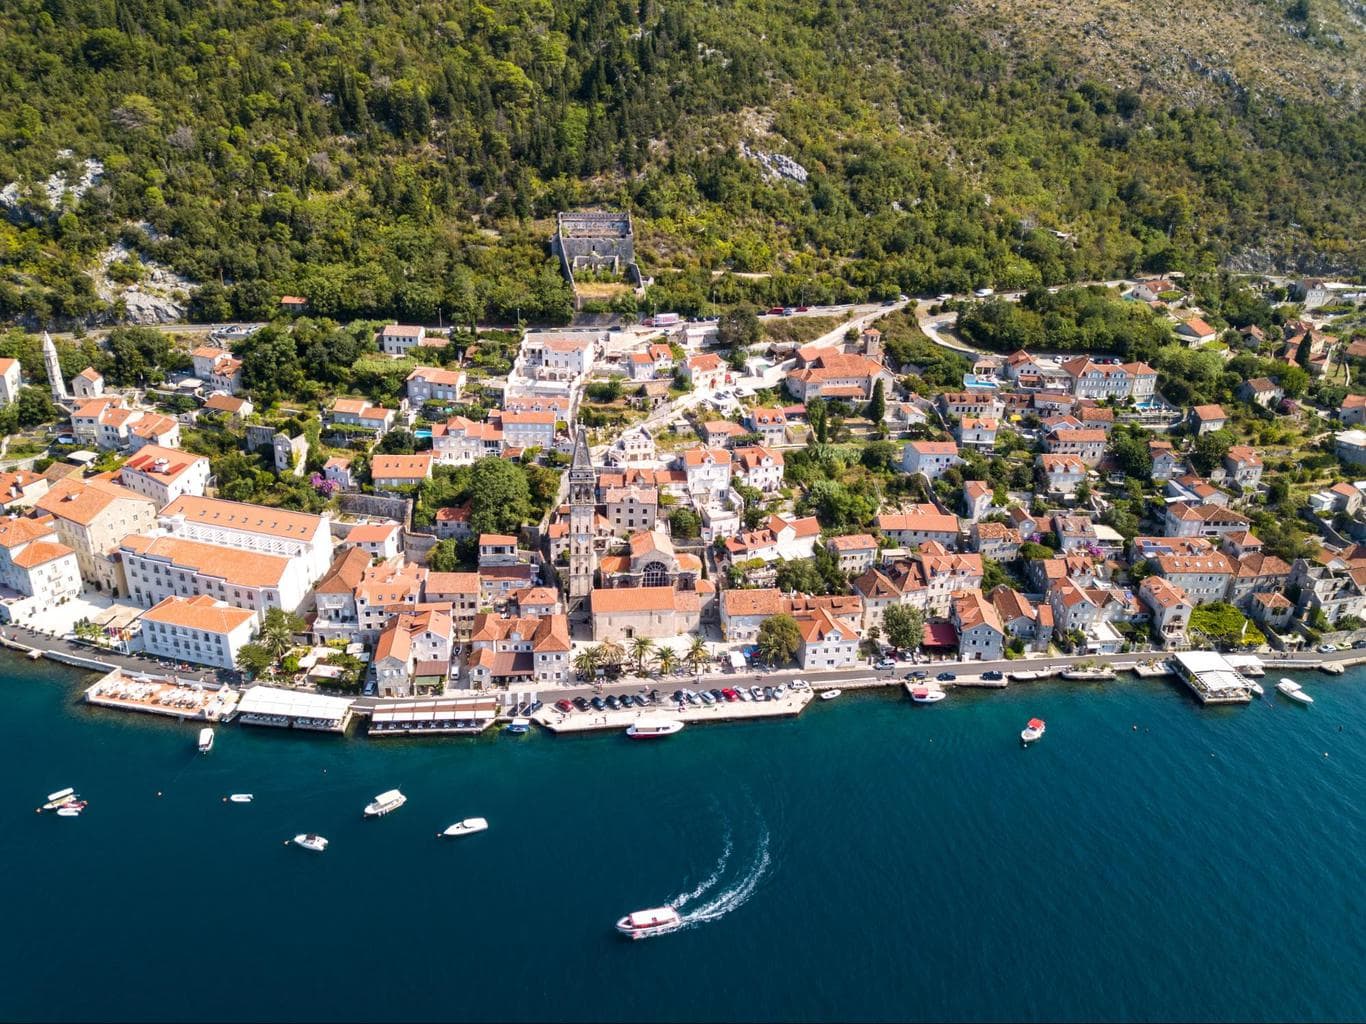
(293, 709)
(437, 715)
(172, 698)
(1211, 678)
(788, 706)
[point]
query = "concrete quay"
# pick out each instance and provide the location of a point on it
(788, 706)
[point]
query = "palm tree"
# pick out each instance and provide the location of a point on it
(277, 638)
(668, 661)
(697, 655)
(610, 653)
(641, 649)
(586, 662)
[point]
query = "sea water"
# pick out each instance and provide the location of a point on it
(874, 859)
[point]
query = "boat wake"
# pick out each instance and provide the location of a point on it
(733, 896)
(683, 899)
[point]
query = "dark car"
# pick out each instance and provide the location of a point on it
(582, 703)
(614, 702)
(678, 697)
(993, 674)
(919, 673)
(564, 705)
(599, 703)
(768, 693)
(654, 697)
(534, 706)
(945, 676)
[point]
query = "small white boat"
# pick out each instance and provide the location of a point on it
(1032, 731)
(1294, 691)
(389, 800)
(59, 799)
(205, 740)
(653, 728)
(311, 842)
(241, 798)
(1255, 687)
(927, 695)
(644, 924)
(468, 827)
(69, 811)
(831, 694)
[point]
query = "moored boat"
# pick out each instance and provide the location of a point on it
(468, 827)
(1293, 690)
(70, 811)
(389, 800)
(205, 740)
(830, 694)
(1089, 673)
(518, 726)
(653, 728)
(927, 695)
(241, 798)
(1255, 687)
(1032, 731)
(59, 799)
(643, 924)
(311, 842)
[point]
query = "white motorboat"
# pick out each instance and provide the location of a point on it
(69, 811)
(644, 924)
(468, 827)
(927, 695)
(1032, 731)
(311, 842)
(1255, 687)
(831, 694)
(389, 800)
(241, 798)
(653, 728)
(1293, 690)
(59, 799)
(205, 740)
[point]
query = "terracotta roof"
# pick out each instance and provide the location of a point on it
(201, 612)
(497, 540)
(926, 518)
(642, 599)
(178, 463)
(232, 565)
(852, 542)
(345, 573)
(1214, 563)
(972, 609)
(401, 467)
(236, 515)
(452, 583)
(752, 457)
(403, 331)
(1209, 412)
(933, 447)
(39, 552)
(1162, 593)
(371, 533)
(818, 625)
(751, 602)
(225, 403)
(83, 501)
(436, 375)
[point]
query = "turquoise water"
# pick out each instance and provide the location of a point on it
(872, 860)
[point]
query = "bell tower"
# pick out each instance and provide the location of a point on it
(583, 500)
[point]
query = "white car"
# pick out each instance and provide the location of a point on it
(983, 293)
(943, 298)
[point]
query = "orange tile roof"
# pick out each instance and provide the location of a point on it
(178, 462)
(237, 515)
(232, 565)
(14, 532)
(345, 573)
(852, 542)
(39, 552)
(82, 501)
(201, 612)
(401, 467)
(641, 599)
(452, 583)
(751, 602)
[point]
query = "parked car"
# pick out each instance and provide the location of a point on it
(886, 663)
(564, 705)
(776, 311)
(1327, 648)
(614, 702)
(919, 673)
(582, 703)
(944, 677)
(599, 704)
(993, 674)
(627, 701)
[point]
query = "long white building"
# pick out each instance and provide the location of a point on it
(197, 629)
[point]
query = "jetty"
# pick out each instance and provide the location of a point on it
(436, 715)
(293, 709)
(1211, 678)
(788, 706)
(170, 697)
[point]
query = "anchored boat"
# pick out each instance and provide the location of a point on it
(241, 798)
(205, 740)
(1293, 690)
(389, 800)
(468, 827)
(518, 726)
(926, 695)
(831, 694)
(311, 842)
(59, 799)
(644, 924)
(1032, 731)
(653, 728)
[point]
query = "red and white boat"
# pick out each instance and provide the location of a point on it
(1032, 731)
(644, 924)
(927, 695)
(653, 728)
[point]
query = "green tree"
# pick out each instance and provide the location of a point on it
(779, 639)
(904, 626)
(444, 556)
(697, 656)
(642, 650)
(35, 407)
(1131, 455)
(1210, 449)
(500, 498)
(253, 659)
(877, 405)
(586, 662)
(684, 522)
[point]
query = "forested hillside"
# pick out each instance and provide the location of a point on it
(404, 159)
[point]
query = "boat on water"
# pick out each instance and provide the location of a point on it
(311, 842)
(241, 798)
(70, 811)
(205, 740)
(644, 924)
(1255, 687)
(926, 695)
(518, 726)
(1089, 673)
(468, 827)
(653, 728)
(59, 799)
(830, 694)
(1032, 731)
(389, 800)
(1293, 690)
